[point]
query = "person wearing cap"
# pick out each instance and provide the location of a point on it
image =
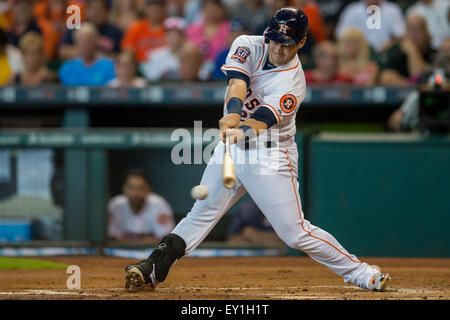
(164, 63)
(147, 34)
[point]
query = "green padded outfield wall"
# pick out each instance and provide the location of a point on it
(382, 195)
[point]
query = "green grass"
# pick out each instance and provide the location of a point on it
(21, 263)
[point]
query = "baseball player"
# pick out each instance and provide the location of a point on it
(139, 213)
(266, 86)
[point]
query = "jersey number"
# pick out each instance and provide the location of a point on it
(253, 104)
(250, 106)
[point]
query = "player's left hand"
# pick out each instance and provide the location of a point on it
(229, 121)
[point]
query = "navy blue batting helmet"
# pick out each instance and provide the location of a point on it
(287, 26)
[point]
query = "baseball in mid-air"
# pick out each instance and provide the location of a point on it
(199, 192)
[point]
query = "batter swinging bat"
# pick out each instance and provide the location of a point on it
(228, 173)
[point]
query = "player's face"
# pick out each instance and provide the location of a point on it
(280, 54)
(136, 189)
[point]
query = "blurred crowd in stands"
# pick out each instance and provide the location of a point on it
(134, 42)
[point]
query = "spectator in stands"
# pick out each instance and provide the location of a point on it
(139, 213)
(331, 11)
(124, 13)
(254, 14)
(392, 23)
(5, 14)
(326, 69)
(406, 118)
(191, 62)
(192, 11)
(164, 63)
(11, 61)
(89, 68)
(249, 226)
(147, 34)
(23, 22)
(403, 64)
(275, 5)
(125, 67)
(354, 58)
(175, 8)
(237, 28)
(316, 24)
(54, 13)
(210, 35)
(437, 15)
(109, 36)
(35, 71)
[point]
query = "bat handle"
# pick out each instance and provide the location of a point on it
(228, 171)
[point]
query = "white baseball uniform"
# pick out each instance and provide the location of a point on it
(155, 218)
(271, 181)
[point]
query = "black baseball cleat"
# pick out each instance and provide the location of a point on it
(154, 270)
(139, 275)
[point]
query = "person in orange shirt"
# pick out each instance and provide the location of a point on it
(54, 13)
(5, 14)
(147, 34)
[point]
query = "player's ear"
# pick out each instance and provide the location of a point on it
(302, 43)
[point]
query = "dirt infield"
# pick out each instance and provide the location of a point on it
(230, 278)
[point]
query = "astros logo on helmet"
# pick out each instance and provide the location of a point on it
(283, 27)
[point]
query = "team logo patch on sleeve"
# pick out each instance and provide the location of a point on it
(241, 54)
(288, 103)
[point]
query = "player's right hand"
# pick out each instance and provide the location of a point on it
(235, 135)
(230, 121)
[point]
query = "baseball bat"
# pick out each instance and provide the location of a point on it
(228, 172)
